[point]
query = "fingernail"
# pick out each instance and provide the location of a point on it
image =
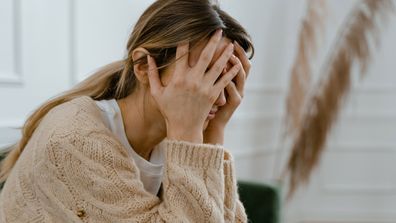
(220, 32)
(236, 43)
(231, 47)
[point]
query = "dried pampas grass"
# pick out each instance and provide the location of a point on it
(312, 25)
(353, 46)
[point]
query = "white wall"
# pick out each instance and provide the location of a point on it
(47, 46)
(355, 181)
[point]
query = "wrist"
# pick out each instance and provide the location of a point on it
(179, 134)
(216, 127)
(214, 136)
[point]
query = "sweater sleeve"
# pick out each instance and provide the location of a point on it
(233, 208)
(104, 184)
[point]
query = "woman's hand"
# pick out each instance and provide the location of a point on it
(214, 133)
(187, 99)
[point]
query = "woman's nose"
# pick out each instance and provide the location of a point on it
(221, 100)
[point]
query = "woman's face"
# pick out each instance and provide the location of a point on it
(195, 52)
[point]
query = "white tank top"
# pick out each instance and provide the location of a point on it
(150, 171)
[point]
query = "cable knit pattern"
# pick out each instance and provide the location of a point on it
(75, 170)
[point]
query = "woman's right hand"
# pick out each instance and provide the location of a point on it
(187, 99)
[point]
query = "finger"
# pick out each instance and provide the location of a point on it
(243, 57)
(240, 78)
(226, 78)
(207, 53)
(153, 75)
(219, 65)
(233, 95)
(182, 55)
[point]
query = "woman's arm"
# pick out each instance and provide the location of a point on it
(233, 208)
(214, 133)
(100, 183)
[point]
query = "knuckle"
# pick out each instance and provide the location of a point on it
(235, 70)
(224, 81)
(178, 82)
(248, 65)
(237, 100)
(229, 78)
(205, 57)
(229, 53)
(240, 63)
(194, 86)
(217, 68)
(212, 97)
(213, 41)
(208, 93)
(153, 92)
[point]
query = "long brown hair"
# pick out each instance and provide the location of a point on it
(163, 25)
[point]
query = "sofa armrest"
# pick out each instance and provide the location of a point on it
(261, 201)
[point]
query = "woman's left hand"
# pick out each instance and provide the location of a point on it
(214, 133)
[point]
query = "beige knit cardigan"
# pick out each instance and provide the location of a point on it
(75, 170)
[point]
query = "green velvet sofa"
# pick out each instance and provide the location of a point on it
(261, 201)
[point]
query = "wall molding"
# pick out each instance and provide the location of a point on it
(15, 77)
(358, 147)
(10, 78)
(357, 189)
(340, 148)
(358, 87)
(12, 124)
(243, 115)
(345, 216)
(379, 188)
(249, 153)
(357, 220)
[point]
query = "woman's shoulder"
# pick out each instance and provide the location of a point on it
(80, 115)
(78, 121)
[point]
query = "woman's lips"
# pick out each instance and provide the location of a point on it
(212, 114)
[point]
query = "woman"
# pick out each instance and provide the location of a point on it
(140, 140)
